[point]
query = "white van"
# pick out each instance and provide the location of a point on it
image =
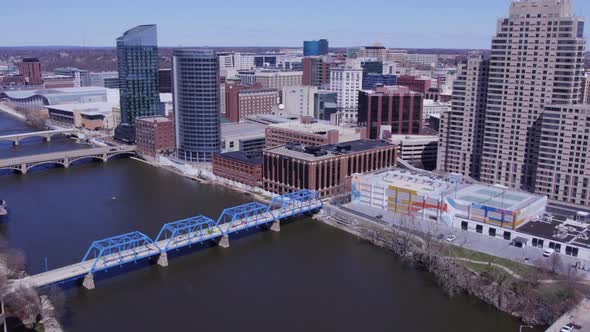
(548, 252)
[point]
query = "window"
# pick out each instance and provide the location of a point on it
(537, 243)
(492, 232)
(479, 229)
(507, 235)
(571, 251)
(464, 225)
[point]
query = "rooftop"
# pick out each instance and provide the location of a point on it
(495, 197)
(85, 108)
(54, 96)
(313, 153)
(570, 232)
(240, 156)
(424, 185)
(160, 119)
(244, 129)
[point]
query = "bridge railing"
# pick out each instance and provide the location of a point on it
(120, 249)
(187, 232)
(246, 214)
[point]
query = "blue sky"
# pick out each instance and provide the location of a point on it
(395, 23)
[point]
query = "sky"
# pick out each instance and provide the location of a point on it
(345, 23)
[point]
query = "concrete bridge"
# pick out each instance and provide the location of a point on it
(132, 247)
(65, 159)
(47, 135)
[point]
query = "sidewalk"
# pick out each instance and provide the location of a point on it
(579, 316)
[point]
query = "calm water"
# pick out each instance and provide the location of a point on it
(309, 277)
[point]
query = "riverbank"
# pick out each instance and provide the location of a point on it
(523, 295)
(12, 112)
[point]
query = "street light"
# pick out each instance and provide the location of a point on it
(525, 326)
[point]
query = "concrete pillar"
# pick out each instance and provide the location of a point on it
(224, 241)
(88, 282)
(163, 259)
(23, 169)
(15, 142)
(276, 226)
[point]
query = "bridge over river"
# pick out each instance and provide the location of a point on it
(65, 159)
(47, 135)
(132, 247)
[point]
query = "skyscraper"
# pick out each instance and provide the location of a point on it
(461, 135)
(530, 134)
(537, 58)
(315, 47)
(138, 62)
(195, 74)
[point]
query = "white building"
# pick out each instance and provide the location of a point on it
(298, 101)
(418, 150)
(279, 79)
(432, 107)
(246, 61)
(347, 82)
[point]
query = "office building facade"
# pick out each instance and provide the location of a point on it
(316, 71)
(195, 74)
(138, 64)
(30, 70)
(347, 82)
(397, 109)
(315, 47)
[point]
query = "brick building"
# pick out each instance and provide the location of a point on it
(326, 169)
(30, 70)
(242, 101)
(398, 108)
(155, 135)
(414, 83)
(240, 167)
(316, 71)
(309, 132)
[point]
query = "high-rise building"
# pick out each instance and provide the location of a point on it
(378, 52)
(563, 170)
(396, 108)
(371, 67)
(585, 95)
(243, 101)
(316, 71)
(371, 81)
(138, 63)
(278, 79)
(461, 129)
(165, 76)
(347, 82)
(536, 61)
(30, 70)
(195, 74)
(315, 47)
(298, 101)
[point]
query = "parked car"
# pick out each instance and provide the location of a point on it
(379, 216)
(548, 252)
(451, 238)
(567, 328)
(440, 236)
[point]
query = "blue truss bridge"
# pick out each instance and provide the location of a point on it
(132, 247)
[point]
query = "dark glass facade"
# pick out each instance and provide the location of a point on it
(137, 58)
(315, 47)
(370, 81)
(196, 104)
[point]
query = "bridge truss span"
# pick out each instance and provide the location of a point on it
(186, 232)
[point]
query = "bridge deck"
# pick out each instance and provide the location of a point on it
(80, 269)
(44, 157)
(39, 133)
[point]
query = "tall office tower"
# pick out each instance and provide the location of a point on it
(537, 57)
(316, 71)
(137, 58)
(461, 135)
(347, 82)
(315, 47)
(376, 51)
(563, 172)
(585, 94)
(30, 70)
(196, 104)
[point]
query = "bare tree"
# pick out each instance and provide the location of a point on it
(25, 304)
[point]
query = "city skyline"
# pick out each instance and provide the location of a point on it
(434, 25)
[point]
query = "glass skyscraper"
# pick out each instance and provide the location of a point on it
(137, 58)
(196, 104)
(315, 47)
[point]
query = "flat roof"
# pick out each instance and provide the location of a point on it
(496, 197)
(50, 93)
(154, 118)
(299, 151)
(430, 186)
(232, 129)
(243, 157)
(568, 232)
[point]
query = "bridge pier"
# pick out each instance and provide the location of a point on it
(163, 259)
(224, 241)
(276, 226)
(88, 282)
(48, 139)
(23, 169)
(15, 142)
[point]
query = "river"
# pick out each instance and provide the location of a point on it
(308, 277)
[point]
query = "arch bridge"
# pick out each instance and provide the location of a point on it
(47, 135)
(65, 159)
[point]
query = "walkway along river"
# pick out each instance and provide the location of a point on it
(308, 277)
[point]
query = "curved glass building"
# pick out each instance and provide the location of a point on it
(196, 104)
